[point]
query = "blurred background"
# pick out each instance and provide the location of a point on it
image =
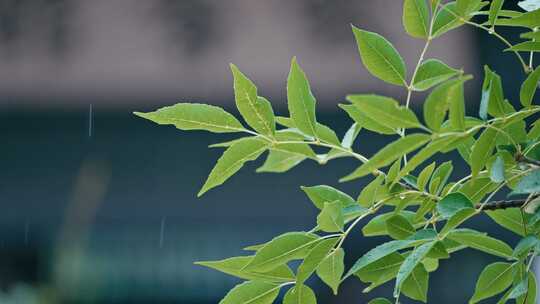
(99, 206)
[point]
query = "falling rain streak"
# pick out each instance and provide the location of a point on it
(90, 120)
(161, 232)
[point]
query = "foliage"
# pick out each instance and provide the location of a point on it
(414, 200)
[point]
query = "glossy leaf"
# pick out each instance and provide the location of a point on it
(232, 160)
(432, 72)
(530, 183)
(234, 266)
(195, 116)
(301, 101)
(416, 18)
(388, 154)
(413, 260)
(366, 121)
(416, 285)
(253, 292)
(399, 227)
(453, 203)
(482, 150)
(527, 46)
(300, 294)
(281, 161)
(314, 259)
(510, 219)
(497, 170)
(282, 249)
(331, 217)
(446, 19)
(322, 194)
(529, 87)
(494, 10)
(480, 241)
(380, 57)
(331, 269)
(385, 110)
(494, 279)
(256, 110)
(424, 176)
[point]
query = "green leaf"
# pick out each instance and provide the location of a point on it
(322, 194)
(438, 102)
(529, 20)
(466, 7)
(350, 135)
(331, 217)
(388, 154)
(510, 219)
(492, 96)
(365, 121)
(457, 219)
(300, 294)
(382, 270)
(432, 72)
(233, 266)
(482, 150)
(232, 160)
(446, 20)
(399, 227)
(527, 46)
(480, 241)
(377, 225)
(530, 183)
(372, 192)
(453, 203)
(380, 57)
(413, 260)
(253, 292)
(385, 111)
(530, 297)
(435, 146)
(324, 133)
(494, 10)
(301, 101)
(416, 18)
(331, 269)
(438, 252)
(314, 259)
(280, 161)
(494, 279)
(497, 170)
(379, 301)
(524, 245)
(388, 248)
(282, 249)
(424, 176)
(256, 110)
(456, 106)
(195, 116)
(531, 35)
(529, 86)
(416, 285)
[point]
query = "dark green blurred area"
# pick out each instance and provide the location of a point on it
(137, 241)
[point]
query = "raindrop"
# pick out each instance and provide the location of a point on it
(162, 232)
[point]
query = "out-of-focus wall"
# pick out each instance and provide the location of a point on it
(66, 52)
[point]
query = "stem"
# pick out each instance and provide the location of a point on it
(490, 31)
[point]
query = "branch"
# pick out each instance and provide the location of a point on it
(505, 204)
(524, 159)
